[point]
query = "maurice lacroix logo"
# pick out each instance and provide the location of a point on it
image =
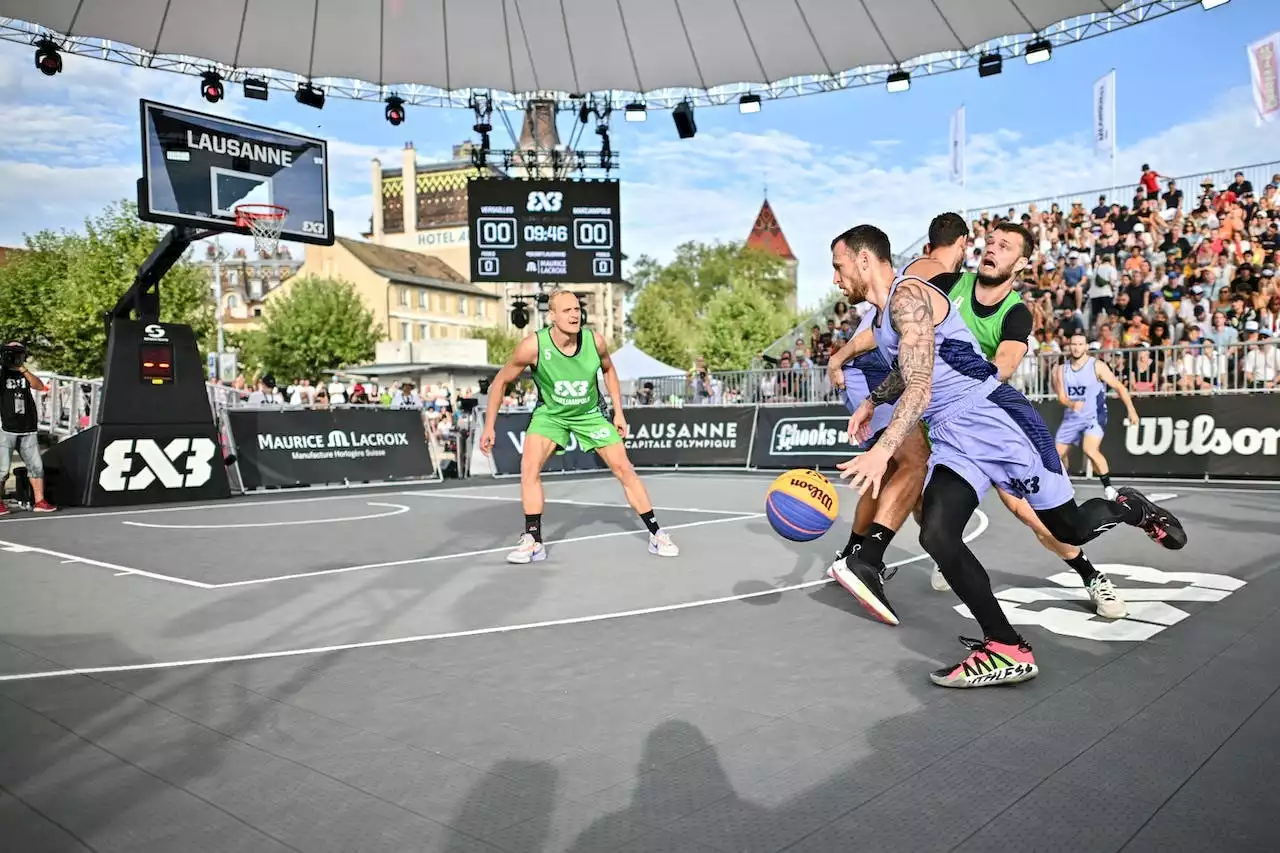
(1199, 436)
(813, 436)
(336, 443)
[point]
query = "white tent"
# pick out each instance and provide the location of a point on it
(633, 363)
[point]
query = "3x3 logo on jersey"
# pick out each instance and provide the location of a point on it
(1076, 390)
(570, 392)
(182, 463)
(545, 202)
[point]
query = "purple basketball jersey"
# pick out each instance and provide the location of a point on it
(862, 375)
(1082, 386)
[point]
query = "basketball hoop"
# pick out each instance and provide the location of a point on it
(264, 222)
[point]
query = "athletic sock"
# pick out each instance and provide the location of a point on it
(855, 540)
(647, 518)
(876, 539)
(1105, 479)
(533, 526)
(1084, 568)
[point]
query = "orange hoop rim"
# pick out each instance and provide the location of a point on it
(246, 214)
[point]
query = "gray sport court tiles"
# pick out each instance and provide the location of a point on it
(439, 720)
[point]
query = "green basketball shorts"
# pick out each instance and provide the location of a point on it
(590, 429)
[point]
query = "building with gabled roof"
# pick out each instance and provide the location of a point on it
(766, 235)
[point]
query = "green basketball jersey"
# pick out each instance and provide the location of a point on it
(985, 329)
(567, 384)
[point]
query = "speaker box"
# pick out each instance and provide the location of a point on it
(683, 117)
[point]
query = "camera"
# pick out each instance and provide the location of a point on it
(13, 356)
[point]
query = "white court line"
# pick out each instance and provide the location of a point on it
(516, 499)
(477, 632)
(413, 561)
(396, 509)
(72, 558)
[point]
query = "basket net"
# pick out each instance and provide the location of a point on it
(264, 222)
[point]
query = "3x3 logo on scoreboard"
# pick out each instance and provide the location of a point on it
(534, 231)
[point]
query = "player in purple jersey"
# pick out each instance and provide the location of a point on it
(1081, 385)
(983, 432)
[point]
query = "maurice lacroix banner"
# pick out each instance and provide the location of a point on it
(309, 446)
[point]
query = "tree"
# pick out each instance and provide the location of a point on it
(501, 342)
(310, 327)
(671, 316)
(53, 296)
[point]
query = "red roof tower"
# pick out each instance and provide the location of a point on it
(767, 234)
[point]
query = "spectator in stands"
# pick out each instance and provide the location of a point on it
(265, 394)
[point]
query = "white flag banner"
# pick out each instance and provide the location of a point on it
(957, 146)
(1104, 114)
(1264, 78)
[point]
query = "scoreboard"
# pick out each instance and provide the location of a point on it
(535, 231)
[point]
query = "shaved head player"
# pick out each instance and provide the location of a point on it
(564, 359)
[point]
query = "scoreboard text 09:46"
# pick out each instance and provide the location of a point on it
(531, 231)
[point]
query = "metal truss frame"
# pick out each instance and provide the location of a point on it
(1127, 14)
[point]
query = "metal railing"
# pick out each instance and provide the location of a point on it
(69, 405)
(1259, 175)
(1144, 371)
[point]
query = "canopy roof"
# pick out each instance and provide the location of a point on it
(633, 363)
(661, 51)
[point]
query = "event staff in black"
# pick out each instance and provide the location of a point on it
(18, 421)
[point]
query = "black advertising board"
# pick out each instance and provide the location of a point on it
(1196, 435)
(801, 437)
(693, 435)
(283, 447)
(538, 231)
(508, 448)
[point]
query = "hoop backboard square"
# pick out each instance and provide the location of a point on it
(197, 168)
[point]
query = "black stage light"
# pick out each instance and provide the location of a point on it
(211, 86)
(990, 65)
(519, 315)
(310, 96)
(395, 111)
(48, 58)
(682, 115)
(255, 89)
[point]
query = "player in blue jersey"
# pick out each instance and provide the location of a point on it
(1081, 385)
(982, 432)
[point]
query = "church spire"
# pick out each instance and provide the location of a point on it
(767, 234)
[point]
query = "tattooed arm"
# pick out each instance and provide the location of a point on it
(911, 381)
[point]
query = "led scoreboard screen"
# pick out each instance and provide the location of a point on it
(531, 231)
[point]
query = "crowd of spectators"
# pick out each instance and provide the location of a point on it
(1192, 284)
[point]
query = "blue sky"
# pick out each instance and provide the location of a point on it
(70, 144)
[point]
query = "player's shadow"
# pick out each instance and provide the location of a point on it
(495, 795)
(810, 560)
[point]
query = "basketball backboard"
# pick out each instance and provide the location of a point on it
(197, 168)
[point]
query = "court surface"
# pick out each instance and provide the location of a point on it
(362, 671)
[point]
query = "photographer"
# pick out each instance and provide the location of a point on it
(18, 422)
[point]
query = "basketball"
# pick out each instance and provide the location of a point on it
(802, 505)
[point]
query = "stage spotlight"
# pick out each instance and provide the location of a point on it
(898, 81)
(211, 86)
(1212, 4)
(990, 65)
(682, 115)
(48, 59)
(1039, 51)
(636, 111)
(395, 111)
(310, 96)
(749, 104)
(255, 89)
(519, 315)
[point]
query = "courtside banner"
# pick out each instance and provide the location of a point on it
(508, 448)
(1214, 435)
(692, 435)
(282, 447)
(802, 437)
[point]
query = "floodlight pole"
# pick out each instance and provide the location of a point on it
(218, 256)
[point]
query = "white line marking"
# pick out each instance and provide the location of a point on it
(1161, 496)
(72, 558)
(516, 499)
(413, 561)
(477, 632)
(396, 509)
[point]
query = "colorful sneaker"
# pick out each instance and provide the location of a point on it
(1107, 603)
(660, 543)
(528, 551)
(937, 581)
(43, 506)
(865, 582)
(989, 664)
(4, 510)
(1157, 522)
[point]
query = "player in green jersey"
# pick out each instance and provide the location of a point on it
(564, 359)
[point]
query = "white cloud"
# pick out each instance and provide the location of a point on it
(708, 188)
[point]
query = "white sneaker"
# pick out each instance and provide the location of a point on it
(660, 543)
(1110, 493)
(937, 581)
(528, 551)
(1107, 603)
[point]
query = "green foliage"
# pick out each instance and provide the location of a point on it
(501, 342)
(53, 296)
(312, 326)
(678, 306)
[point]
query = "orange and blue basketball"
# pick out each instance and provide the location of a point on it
(802, 505)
